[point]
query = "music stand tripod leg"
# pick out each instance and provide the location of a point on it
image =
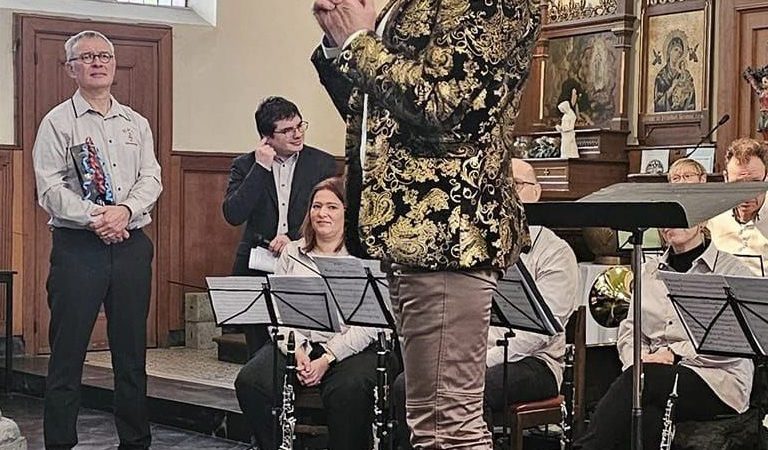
(637, 366)
(506, 432)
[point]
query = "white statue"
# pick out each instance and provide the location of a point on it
(567, 129)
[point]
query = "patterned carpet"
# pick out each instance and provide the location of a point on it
(181, 363)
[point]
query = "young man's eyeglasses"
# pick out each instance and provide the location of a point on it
(300, 128)
(88, 57)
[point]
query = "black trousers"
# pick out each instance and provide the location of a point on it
(527, 380)
(86, 273)
(610, 425)
(346, 391)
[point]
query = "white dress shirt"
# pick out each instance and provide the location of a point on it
(553, 266)
(729, 378)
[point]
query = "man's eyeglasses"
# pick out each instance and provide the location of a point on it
(687, 176)
(300, 128)
(88, 57)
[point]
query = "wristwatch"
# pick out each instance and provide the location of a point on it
(329, 357)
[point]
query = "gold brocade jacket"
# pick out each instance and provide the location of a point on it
(443, 85)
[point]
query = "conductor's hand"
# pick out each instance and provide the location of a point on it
(345, 18)
(660, 356)
(264, 153)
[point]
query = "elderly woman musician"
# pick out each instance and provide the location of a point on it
(343, 364)
(707, 386)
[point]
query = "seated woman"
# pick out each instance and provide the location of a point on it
(342, 364)
(708, 386)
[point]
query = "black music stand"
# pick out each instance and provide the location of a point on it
(361, 295)
(722, 315)
(277, 300)
(518, 305)
(634, 207)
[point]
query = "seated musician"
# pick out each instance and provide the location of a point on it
(687, 170)
(708, 386)
(744, 230)
(343, 364)
(535, 362)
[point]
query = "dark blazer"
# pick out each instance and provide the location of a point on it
(252, 197)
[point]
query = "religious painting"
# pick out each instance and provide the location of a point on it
(582, 70)
(675, 87)
(675, 75)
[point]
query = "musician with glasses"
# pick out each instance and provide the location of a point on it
(686, 170)
(98, 178)
(269, 188)
(744, 229)
(708, 386)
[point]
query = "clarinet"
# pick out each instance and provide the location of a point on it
(668, 432)
(569, 391)
(287, 418)
(381, 435)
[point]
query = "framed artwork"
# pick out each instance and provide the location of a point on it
(582, 69)
(675, 79)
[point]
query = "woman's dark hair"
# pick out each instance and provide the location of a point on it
(271, 110)
(336, 186)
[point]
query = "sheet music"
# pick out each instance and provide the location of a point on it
(349, 286)
(725, 335)
(522, 309)
(751, 289)
(262, 259)
(755, 314)
(302, 302)
(238, 300)
(240, 283)
(695, 285)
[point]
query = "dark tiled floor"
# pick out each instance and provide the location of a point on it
(96, 429)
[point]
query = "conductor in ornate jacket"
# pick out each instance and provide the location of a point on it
(430, 92)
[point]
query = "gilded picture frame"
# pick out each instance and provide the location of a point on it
(675, 81)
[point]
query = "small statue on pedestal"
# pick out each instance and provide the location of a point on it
(567, 129)
(758, 79)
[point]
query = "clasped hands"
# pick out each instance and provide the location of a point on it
(110, 222)
(339, 19)
(310, 372)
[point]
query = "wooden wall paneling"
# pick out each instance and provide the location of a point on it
(204, 242)
(6, 225)
(742, 37)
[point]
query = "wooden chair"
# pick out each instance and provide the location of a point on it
(550, 411)
(311, 430)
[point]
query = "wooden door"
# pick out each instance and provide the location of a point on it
(142, 82)
(743, 42)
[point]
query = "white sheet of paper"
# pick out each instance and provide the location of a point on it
(262, 259)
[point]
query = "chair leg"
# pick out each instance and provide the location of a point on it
(516, 440)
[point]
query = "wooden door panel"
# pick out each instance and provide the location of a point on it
(743, 38)
(136, 84)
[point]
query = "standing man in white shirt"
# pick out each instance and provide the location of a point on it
(98, 178)
(743, 231)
